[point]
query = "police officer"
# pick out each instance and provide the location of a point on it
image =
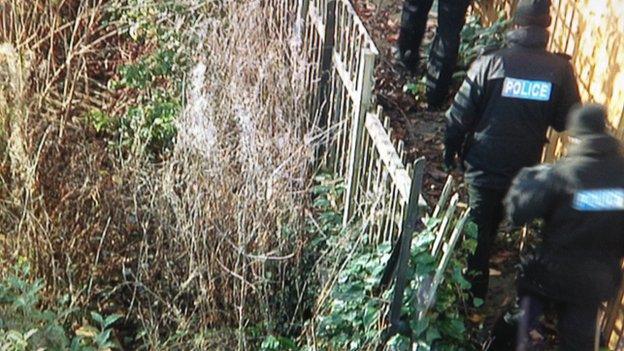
(445, 46)
(499, 119)
(581, 199)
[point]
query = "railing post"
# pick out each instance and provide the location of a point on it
(366, 80)
(326, 64)
(398, 262)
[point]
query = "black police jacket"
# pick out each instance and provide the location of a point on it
(581, 200)
(500, 116)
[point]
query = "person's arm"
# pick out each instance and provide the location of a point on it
(532, 195)
(463, 114)
(569, 97)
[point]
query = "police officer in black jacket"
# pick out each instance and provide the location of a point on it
(445, 46)
(498, 121)
(581, 200)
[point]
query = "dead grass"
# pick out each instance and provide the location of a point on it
(207, 237)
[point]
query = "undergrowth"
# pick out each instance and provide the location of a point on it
(25, 325)
(154, 163)
(354, 317)
(342, 275)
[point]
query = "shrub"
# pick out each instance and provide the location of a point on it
(24, 325)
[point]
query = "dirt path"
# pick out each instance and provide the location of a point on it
(423, 134)
(421, 131)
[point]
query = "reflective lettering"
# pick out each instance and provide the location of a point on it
(599, 200)
(527, 89)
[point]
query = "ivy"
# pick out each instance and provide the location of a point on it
(476, 38)
(25, 325)
(355, 315)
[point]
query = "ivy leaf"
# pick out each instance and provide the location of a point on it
(98, 318)
(110, 320)
(458, 277)
(420, 326)
(471, 230)
(432, 335)
(478, 302)
(371, 315)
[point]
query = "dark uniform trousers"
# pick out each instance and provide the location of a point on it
(576, 322)
(578, 263)
(487, 212)
(445, 46)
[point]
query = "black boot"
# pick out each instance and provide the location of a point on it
(413, 26)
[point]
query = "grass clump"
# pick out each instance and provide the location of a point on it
(180, 203)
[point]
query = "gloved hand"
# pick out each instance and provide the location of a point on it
(449, 159)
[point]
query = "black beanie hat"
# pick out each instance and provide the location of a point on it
(587, 120)
(533, 13)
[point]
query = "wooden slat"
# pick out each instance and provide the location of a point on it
(342, 71)
(388, 155)
(447, 221)
(439, 274)
(446, 193)
(360, 106)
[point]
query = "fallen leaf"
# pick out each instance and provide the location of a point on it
(494, 272)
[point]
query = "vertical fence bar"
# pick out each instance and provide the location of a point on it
(410, 225)
(326, 63)
(366, 79)
(302, 13)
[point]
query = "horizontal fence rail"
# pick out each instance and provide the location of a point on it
(382, 189)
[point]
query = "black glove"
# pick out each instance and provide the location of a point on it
(449, 159)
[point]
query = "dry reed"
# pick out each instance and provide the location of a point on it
(205, 239)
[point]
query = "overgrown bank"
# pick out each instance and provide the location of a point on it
(154, 166)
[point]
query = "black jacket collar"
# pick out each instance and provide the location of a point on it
(531, 37)
(595, 145)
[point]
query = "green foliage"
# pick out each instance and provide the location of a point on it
(154, 79)
(355, 313)
(417, 88)
(475, 38)
(278, 343)
(327, 195)
(353, 320)
(24, 325)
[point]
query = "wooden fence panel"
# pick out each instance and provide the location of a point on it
(349, 86)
